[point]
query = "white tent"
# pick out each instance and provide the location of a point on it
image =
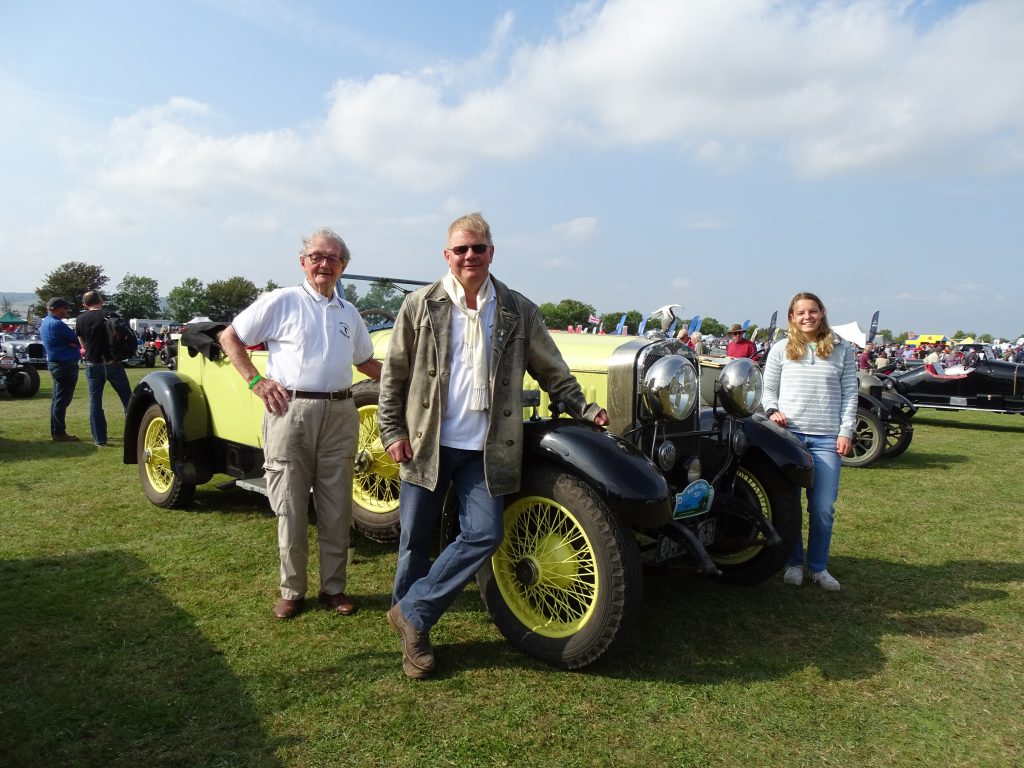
(199, 319)
(852, 333)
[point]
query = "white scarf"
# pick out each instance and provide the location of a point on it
(474, 346)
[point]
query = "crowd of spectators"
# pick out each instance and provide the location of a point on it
(885, 355)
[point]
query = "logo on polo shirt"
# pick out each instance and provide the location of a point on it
(343, 327)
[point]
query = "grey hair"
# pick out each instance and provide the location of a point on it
(327, 234)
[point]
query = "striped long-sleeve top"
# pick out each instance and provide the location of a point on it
(817, 395)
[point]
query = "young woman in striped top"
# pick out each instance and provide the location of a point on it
(810, 388)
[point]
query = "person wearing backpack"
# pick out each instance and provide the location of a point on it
(102, 362)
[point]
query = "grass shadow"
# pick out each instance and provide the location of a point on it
(984, 427)
(101, 669)
(43, 448)
(692, 630)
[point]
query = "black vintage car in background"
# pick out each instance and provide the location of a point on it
(985, 384)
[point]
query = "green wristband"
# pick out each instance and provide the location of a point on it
(252, 383)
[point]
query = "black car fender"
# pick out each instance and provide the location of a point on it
(873, 404)
(895, 401)
(628, 480)
(187, 413)
(781, 448)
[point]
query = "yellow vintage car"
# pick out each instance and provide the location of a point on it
(669, 482)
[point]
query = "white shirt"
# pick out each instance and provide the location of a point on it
(313, 341)
(461, 427)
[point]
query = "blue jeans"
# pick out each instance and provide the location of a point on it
(97, 374)
(424, 591)
(65, 378)
(821, 499)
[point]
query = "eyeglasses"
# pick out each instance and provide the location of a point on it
(316, 257)
(478, 248)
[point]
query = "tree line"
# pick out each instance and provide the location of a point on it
(221, 300)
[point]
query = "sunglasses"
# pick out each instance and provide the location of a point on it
(477, 248)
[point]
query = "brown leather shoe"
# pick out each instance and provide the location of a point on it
(288, 609)
(417, 652)
(339, 603)
(65, 439)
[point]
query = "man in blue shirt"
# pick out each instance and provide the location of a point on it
(63, 356)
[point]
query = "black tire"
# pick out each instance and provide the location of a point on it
(377, 318)
(161, 486)
(868, 440)
(375, 481)
(567, 581)
(23, 382)
(762, 485)
(149, 357)
(898, 434)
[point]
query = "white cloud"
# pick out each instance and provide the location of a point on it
(576, 229)
(831, 88)
(251, 222)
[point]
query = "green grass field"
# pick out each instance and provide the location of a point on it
(134, 636)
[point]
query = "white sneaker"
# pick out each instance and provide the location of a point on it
(794, 575)
(826, 581)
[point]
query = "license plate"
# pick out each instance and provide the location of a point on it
(667, 549)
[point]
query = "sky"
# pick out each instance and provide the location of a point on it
(627, 153)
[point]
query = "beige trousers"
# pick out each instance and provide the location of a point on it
(311, 445)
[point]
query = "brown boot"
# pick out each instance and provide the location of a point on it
(417, 652)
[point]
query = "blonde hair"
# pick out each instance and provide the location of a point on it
(796, 344)
(474, 223)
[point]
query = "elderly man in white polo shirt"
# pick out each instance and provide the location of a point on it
(310, 427)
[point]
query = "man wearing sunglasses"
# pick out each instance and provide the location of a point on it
(310, 425)
(450, 414)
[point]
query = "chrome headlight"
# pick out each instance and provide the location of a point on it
(740, 385)
(670, 387)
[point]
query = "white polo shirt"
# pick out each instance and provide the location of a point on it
(313, 341)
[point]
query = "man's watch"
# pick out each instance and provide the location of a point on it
(769, 412)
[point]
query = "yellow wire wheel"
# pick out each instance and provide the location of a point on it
(760, 485)
(566, 581)
(375, 480)
(156, 469)
(156, 446)
(545, 567)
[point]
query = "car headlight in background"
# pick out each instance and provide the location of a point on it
(670, 387)
(740, 385)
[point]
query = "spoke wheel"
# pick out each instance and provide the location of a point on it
(566, 581)
(898, 434)
(161, 486)
(868, 440)
(761, 485)
(375, 481)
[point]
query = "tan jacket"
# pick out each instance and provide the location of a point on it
(414, 384)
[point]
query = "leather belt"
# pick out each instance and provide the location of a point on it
(341, 394)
